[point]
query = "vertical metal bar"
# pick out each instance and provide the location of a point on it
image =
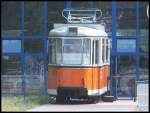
(137, 40)
(22, 48)
(46, 18)
(45, 48)
(113, 56)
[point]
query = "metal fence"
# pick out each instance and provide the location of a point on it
(30, 81)
(143, 95)
(124, 86)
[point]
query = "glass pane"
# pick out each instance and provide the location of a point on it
(126, 72)
(34, 18)
(11, 46)
(33, 45)
(11, 75)
(34, 73)
(144, 67)
(126, 86)
(103, 50)
(126, 18)
(144, 21)
(72, 51)
(86, 51)
(107, 50)
(126, 45)
(11, 19)
(97, 52)
(59, 51)
(52, 51)
(126, 64)
(144, 43)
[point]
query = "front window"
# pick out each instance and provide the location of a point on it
(72, 53)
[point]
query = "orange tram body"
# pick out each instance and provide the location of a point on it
(79, 61)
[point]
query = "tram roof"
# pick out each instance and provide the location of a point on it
(77, 30)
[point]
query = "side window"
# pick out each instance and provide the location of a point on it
(93, 48)
(96, 51)
(107, 55)
(86, 51)
(52, 51)
(58, 51)
(103, 51)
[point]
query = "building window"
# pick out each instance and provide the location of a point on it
(11, 46)
(33, 45)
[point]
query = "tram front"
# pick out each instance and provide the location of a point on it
(78, 61)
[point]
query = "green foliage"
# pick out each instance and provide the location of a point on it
(19, 103)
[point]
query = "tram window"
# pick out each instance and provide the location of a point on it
(103, 51)
(86, 51)
(58, 51)
(93, 52)
(96, 51)
(72, 51)
(52, 51)
(107, 50)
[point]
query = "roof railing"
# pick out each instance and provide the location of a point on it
(82, 16)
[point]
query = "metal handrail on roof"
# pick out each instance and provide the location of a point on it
(82, 16)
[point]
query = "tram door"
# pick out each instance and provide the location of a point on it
(125, 78)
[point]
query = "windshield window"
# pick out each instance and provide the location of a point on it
(72, 51)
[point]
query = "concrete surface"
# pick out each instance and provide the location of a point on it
(119, 105)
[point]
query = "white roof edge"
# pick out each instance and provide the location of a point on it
(95, 26)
